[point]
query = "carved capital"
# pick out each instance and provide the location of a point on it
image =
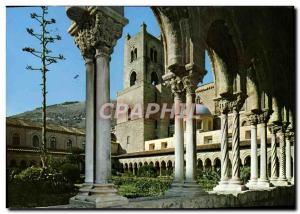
(274, 128)
(264, 116)
(177, 86)
(252, 118)
(99, 31)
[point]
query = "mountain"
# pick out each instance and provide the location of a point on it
(71, 114)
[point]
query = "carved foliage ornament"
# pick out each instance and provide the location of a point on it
(177, 86)
(100, 30)
(264, 116)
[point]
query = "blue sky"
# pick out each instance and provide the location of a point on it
(23, 90)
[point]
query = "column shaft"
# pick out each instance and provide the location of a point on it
(288, 160)
(103, 126)
(236, 146)
(89, 122)
(178, 142)
(190, 140)
(224, 147)
(263, 152)
(273, 156)
(282, 169)
(254, 162)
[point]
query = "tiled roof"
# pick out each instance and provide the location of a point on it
(38, 125)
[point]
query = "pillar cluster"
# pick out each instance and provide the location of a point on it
(96, 35)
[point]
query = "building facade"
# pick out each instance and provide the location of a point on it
(24, 140)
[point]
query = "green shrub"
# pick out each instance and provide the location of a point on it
(208, 179)
(133, 187)
(147, 171)
(36, 186)
(71, 172)
(245, 174)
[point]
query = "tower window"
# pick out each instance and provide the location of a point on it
(132, 79)
(131, 56)
(135, 54)
(155, 56)
(151, 54)
(154, 78)
(35, 141)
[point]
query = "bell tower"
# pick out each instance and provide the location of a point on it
(143, 70)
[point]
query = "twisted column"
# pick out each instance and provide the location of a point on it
(236, 146)
(274, 130)
(224, 109)
(224, 146)
(282, 158)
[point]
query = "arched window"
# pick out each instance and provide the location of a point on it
(129, 114)
(132, 79)
(69, 144)
(151, 54)
(155, 56)
(135, 54)
(52, 143)
(131, 56)
(35, 141)
(154, 78)
(16, 139)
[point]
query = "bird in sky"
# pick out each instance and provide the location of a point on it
(76, 76)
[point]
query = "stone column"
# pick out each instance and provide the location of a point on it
(89, 122)
(263, 181)
(103, 125)
(190, 85)
(235, 181)
(282, 181)
(223, 106)
(96, 31)
(288, 160)
(178, 141)
(273, 177)
(254, 163)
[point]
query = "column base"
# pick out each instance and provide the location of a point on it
(263, 183)
(187, 189)
(252, 184)
(221, 187)
(281, 182)
(98, 196)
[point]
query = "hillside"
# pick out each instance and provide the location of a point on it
(66, 114)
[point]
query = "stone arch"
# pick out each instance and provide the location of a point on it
(170, 167)
(52, 142)
(140, 164)
(145, 163)
(217, 164)
(247, 161)
(207, 164)
(223, 54)
(35, 141)
(163, 167)
(151, 163)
